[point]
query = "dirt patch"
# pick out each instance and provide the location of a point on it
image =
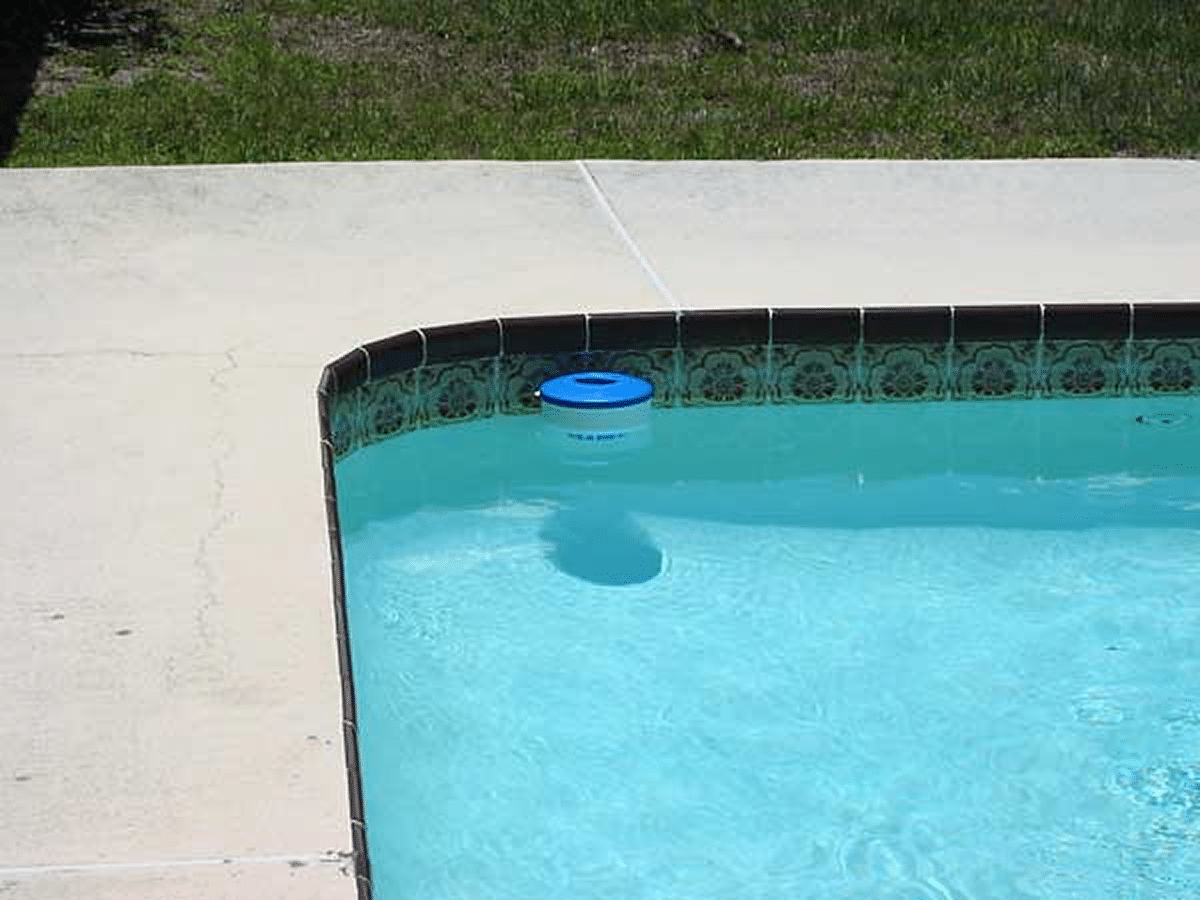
(55, 77)
(341, 40)
(634, 55)
(836, 74)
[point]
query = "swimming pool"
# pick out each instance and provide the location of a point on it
(817, 648)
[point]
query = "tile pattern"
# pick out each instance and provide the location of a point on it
(457, 392)
(807, 374)
(903, 355)
(521, 376)
(345, 423)
(903, 372)
(389, 406)
(995, 370)
(1084, 368)
(1166, 367)
(724, 376)
(658, 366)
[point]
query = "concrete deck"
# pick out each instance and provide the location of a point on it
(170, 718)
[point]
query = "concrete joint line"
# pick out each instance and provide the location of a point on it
(623, 233)
(298, 860)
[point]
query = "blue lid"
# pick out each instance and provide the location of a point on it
(596, 390)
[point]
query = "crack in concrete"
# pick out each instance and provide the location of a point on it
(113, 351)
(622, 232)
(295, 861)
(224, 443)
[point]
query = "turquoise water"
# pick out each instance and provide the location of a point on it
(920, 652)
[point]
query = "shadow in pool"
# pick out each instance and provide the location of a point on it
(601, 544)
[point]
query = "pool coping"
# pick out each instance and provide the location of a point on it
(975, 353)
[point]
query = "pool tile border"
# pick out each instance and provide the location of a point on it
(429, 377)
(907, 325)
(978, 324)
(450, 373)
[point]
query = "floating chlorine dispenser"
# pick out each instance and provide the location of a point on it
(596, 412)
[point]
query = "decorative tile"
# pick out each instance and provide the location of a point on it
(903, 372)
(804, 374)
(522, 374)
(658, 366)
(457, 392)
(995, 370)
(1083, 368)
(346, 426)
(1166, 367)
(729, 376)
(390, 406)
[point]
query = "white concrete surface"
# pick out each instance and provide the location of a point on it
(170, 695)
(874, 233)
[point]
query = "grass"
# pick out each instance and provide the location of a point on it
(265, 80)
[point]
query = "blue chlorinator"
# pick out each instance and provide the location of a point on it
(596, 413)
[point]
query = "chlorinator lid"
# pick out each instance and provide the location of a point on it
(596, 390)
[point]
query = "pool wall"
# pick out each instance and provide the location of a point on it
(435, 376)
(430, 377)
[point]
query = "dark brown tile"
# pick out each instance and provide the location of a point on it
(331, 514)
(816, 327)
(470, 340)
(358, 840)
(977, 324)
(724, 328)
(544, 334)
(351, 370)
(1091, 321)
(353, 774)
(337, 577)
(906, 325)
(327, 386)
(397, 353)
(1166, 320)
(632, 331)
(323, 403)
(328, 461)
(350, 747)
(349, 698)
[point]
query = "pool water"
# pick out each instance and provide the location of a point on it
(932, 652)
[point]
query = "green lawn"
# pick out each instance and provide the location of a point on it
(262, 80)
